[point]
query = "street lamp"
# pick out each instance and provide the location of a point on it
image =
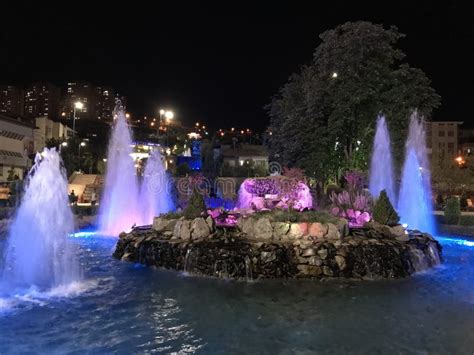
(77, 106)
(83, 144)
(168, 115)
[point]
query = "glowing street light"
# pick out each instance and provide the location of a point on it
(162, 112)
(82, 144)
(334, 75)
(77, 106)
(169, 115)
(64, 144)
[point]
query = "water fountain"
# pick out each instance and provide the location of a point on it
(155, 190)
(119, 205)
(38, 253)
(381, 166)
(414, 202)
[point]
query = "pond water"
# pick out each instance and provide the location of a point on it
(126, 308)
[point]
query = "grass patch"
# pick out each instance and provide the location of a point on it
(297, 217)
(172, 215)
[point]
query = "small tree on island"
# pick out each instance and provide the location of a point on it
(383, 211)
(196, 205)
(452, 212)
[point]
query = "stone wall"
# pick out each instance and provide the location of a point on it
(258, 248)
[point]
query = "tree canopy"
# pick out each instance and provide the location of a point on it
(323, 118)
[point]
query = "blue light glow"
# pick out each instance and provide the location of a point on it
(83, 234)
(459, 241)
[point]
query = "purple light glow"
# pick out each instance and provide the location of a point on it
(274, 192)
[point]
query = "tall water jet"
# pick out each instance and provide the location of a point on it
(38, 253)
(415, 205)
(381, 165)
(119, 208)
(155, 190)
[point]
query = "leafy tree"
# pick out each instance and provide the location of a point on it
(383, 211)
(323, 118)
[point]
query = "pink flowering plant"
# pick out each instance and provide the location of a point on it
(354, 203)
(223, 218)
(288, 192)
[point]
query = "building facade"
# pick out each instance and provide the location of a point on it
(16, 146)
(11, 100)
(105, 103)
(98, 101)
(442, 142)
(42, 99)
(47, 129)
(243, 154)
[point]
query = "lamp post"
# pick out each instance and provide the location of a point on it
(83, 144)
(77, 106)
(168, 115)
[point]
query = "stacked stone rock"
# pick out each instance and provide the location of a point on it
(280, 250)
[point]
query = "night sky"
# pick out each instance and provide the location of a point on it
(221, 64)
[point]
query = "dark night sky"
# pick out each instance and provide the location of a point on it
(221, 63)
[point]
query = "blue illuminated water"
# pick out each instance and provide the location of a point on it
(381, 165)
(415, 203)
(124, 308)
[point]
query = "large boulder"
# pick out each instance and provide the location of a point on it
(246, 225)
(317, 230)
(280, 230)
(296, 231)
(399, 232)
(263, 229)
(199, 228)
(210, 222)
(343, 226)
(333, 232)
(161, 224)
(182, 230)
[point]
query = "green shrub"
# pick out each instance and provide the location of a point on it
(452, 212)
(196, 206)
(383, 211)
(172, 215)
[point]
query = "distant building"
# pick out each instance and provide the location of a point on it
(47, 129)
(42, 99)
(99, 101)
(16, 145)
(245, 153)
(83, 92)
(442, 142)
(466, 141)
(11, 100)
(105, 103)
